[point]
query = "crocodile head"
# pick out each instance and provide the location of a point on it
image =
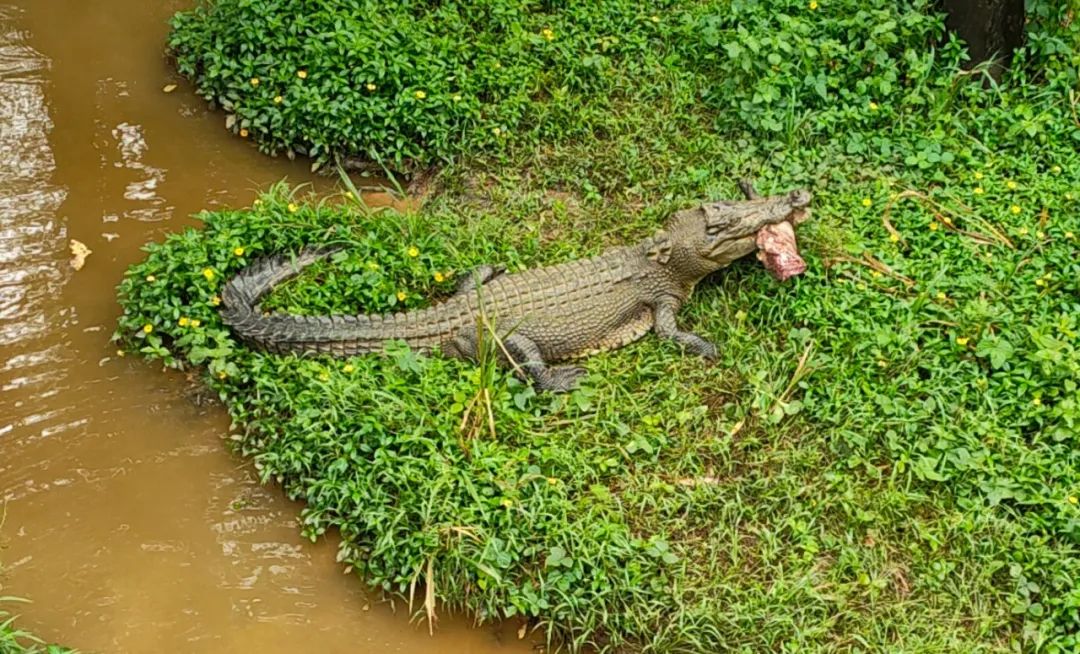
(717, 233)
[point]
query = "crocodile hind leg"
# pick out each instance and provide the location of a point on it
(666, 327)
(527, 357)
(478, 277)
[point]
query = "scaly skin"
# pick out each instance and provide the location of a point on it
(549, 314)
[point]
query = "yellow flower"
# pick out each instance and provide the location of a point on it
(348, 367)
(371, 265)
(962, 340)
(882, 363)
(414, 251)
(147, 328)
(438, 277)
(1015, 208)
(507, 502)
(254, 81)
(1074, 500)
(257, 202)
(933, 226)
(866, 202)
(978, 190)
(1040, 282)
(655, 19)
(293, 208)
(813, 5)
(196, 323)
(1023, 231)
(978, 175)
(895, 238)
(183, 322)
(208, 273)
(420, 95)
(496, 131)
(876, 274)
(1040, 234)
(941, 296)
(222, 375)
(552, 481)
(278, 99)
(243, 133)
(548, 33)
(120, 353)
(151, 278)
(1037, 401)
(1011, 185)
(873, 106)
(215, 300)
(302, 74)
(370, 86)
(1069, 235)
(456, 98)
(401, 295)
(1055, 169)
(238, 251)
(324, 376)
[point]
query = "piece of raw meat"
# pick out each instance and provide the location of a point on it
(779, 252)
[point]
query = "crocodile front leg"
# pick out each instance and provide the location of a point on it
(527, 356)
(665, 326)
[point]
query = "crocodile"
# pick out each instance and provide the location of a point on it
(551, 314)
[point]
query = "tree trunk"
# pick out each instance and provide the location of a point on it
(992, 29)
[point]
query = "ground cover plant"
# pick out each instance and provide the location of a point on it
(883, 459)
(17, 641)
(14, 640)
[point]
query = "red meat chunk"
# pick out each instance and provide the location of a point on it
(779, 252)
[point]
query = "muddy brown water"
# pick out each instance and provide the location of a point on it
(126, 520)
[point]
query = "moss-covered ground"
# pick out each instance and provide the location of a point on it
(884, 457)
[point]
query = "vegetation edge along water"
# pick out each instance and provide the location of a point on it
(883, 458)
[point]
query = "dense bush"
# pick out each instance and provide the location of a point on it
(404, 82)
(409, 83)
(911, 486)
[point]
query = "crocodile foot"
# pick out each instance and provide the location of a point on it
(560, 379)
(695, 344)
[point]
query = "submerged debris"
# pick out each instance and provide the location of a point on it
(79, 252)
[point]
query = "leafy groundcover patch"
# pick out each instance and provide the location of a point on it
(885, 456)
(17, 641)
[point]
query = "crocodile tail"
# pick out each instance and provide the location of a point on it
(338, 334)
(240, 297)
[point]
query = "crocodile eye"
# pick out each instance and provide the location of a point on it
(717, 225)
(718, 218)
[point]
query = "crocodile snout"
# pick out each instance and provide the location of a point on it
(799, 198)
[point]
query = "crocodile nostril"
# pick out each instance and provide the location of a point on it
(799, 198)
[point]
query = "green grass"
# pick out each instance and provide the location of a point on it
(883, 459)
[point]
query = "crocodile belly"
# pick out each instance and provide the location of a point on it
(627, 332)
